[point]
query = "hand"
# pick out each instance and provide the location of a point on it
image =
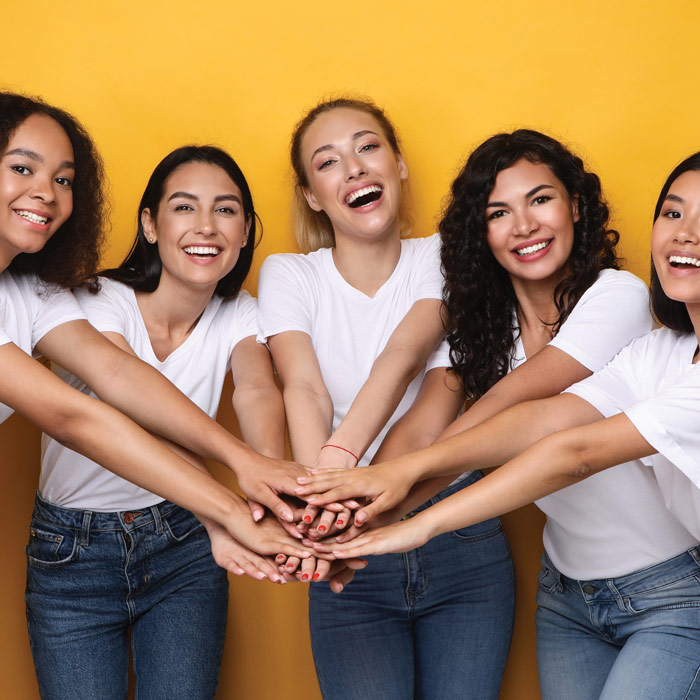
(399, 537)
(266, 479)
(337, 573)
(384, 486)
(332, 457)
(239, 560)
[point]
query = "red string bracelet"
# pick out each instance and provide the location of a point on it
(338, 447)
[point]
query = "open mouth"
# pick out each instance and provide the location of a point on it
(364, 196)
(202, 251)
(683, 262)
(32, 217)
(533, 248)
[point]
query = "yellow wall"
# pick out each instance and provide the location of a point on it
(617, 80)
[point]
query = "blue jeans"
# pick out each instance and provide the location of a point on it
(434, 623)
(92, 577)
(636, 637)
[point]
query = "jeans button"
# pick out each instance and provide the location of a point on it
(128, 518)
(588, 589)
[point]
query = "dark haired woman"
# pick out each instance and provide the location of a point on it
(351, 325)
(633, 633)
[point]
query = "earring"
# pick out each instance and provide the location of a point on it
(150, 240)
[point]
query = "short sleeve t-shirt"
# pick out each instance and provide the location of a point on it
(655, 383)
(197, 367)
(347, 328)
(29, 309)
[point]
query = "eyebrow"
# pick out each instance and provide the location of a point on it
(529, 194)
(194, 198)
(674, 198)
(28, 153)
(356, 135)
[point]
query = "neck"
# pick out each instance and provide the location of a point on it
(535, 301)
(367, 264)
(694, 313)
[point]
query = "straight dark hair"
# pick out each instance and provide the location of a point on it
(142, 266)
(669, 312)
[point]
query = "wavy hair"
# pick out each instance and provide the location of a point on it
(142, 266)
(481, 306)
(669, 312)
(71, 256)
(313, 229)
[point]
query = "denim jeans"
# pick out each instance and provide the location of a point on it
(434, 623)
(92, 577)
(636, 637)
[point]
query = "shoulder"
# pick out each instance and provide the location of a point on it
(295, 263)
(613, 281)
(422, 247)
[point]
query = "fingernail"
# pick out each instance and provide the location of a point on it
(315, 577)
(307, 518)
(287, 515)
(260, 575)
(280, 557)
(302, 480)
(339, 523)
(321, 528)
(290, 566)
(304, 577)
(257, 516)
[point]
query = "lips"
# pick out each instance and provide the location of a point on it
(364, 196)
(206, 251)
(683, 261)
(33, 217)
(532, 248)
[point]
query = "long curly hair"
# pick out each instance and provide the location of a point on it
(313, 229)
(481, 305)
(142, 267)
(670, 312)
(71, 256)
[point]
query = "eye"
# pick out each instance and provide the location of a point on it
(325, 164)
(496, 214)
(226, 210)
(21, 169)
(671, 214)
(541, 199)
(368, 147)
(184, 207)
(64, 181)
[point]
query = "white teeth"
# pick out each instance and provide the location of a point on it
(361, 193)
(201, 250)
(31, 216)
(532, 248)
(684, 260)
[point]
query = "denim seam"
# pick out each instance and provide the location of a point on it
(692, 684)
(494, 532)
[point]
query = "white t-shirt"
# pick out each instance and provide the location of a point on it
(348, 329)
(197, 367)
(615, 522)
(655, 383)
(30, 309)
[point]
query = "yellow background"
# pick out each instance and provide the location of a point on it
(616, 80)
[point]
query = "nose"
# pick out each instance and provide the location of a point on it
(524, 222)
(355, 168)
(206, 223)
(43, 189)
(689, 232)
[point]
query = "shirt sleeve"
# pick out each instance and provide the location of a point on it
(106, 310)
(431, 278)
(4, 338)
(670, 423)
(610, 314)
(284, 296)
(52, 307)
(440, 357)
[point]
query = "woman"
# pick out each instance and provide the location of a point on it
(635, 634)
(351, 325)
(176, 303)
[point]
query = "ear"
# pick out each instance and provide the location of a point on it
(149, 227)
(311, 199)
(403, 168)
(575, 215)
(248, 222)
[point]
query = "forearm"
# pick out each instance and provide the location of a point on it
(261, 417)
(310, 422)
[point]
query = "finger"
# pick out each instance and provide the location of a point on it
(279, 508)
(371, 510)
(310, 513)
(256, 510)
(338, 492)
(342, 519)
(291, 529)
(307, 569)
(351, 533)
(324, 524)
(351, 504)
(292, 550)
(343, 577)
(323, 567)
(291, 565)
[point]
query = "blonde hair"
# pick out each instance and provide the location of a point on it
(313, 229)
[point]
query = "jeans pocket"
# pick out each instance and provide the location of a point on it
(179, 524)
(51, 548)
(481, 531)
(683, 593)
(549, 581)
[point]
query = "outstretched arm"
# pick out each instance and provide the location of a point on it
(552, 463)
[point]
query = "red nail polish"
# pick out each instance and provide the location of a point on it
(307, 518)
(290, 566)
(315, 577)
(280, 557)
(339, 523)
(321, 528)
(304, 577)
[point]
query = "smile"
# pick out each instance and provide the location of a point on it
(364, 196)
(532, 248)
(202, 250)
(32, 217)
(678, 260)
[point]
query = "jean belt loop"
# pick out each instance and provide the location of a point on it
(695, 553)
(157, 520)
(85, 530)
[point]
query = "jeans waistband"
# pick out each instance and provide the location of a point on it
(469, 479)
(88, 520)
(684, 564)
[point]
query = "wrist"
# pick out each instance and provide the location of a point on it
(340, 454)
